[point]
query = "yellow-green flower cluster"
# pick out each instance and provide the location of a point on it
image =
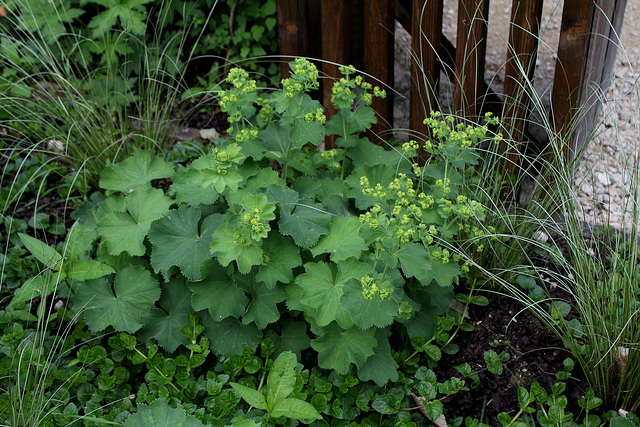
(331, 157)
(442, 185)
(442, 255)
(371, 217)
(403, 220)
(220, 155)
(467, 209)
(342, 91)
(292, 88)
(239, 78)
(265, 110)
(226, 98)
(240, 95)
(377, 192)
(372, 288)
(246, 135)
(461, 136)
(240, 240)
(304, 77)
(317, 116)
(224, 158)
(343, 94)
(380, 93)
(410, 146)
(254, 222)
(305, 71)
(490, 119)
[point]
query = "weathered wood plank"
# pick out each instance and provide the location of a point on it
(293, 34)
(473, 16)
(335, 45)
(572, 48)
(426, 33)
(379, 27)
(519, 72)
(601, 53)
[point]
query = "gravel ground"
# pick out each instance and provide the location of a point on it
(604, 173)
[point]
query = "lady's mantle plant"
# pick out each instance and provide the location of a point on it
(269, 236)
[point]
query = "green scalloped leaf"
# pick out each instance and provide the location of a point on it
(379, 174)
(366, 313)
(230, 336)
(228, 247)
(343, 240)
(125, 231)
(322, 287)
(122, 305)
(211, 173)
(277, 139)
(160, 414)
(446, 274)
(303, 220)
(280, 257)
(380, 368)
(262, 308)
(187, 186)
(218, 293)
(338, 348)
(304, 131)
(135, 172)
(164, 323)
(291, 337)
(415, 262)
(179, 239)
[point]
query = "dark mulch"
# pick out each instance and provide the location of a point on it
(536, 355)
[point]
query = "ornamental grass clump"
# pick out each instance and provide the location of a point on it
(604, 282)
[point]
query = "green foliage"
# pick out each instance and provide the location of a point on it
(93, 80)
(238, 31)
(197, 288)
(361, 251)
(551, 406)
(122, 304)
(275, 398)
(159, 413)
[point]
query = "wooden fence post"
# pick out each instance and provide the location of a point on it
(335, 44)
(293, 34)
(599, 65)
(519, 72)
(379, 27)
(586, 56)
(473, 16)
(572, 47)
(426, 34)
